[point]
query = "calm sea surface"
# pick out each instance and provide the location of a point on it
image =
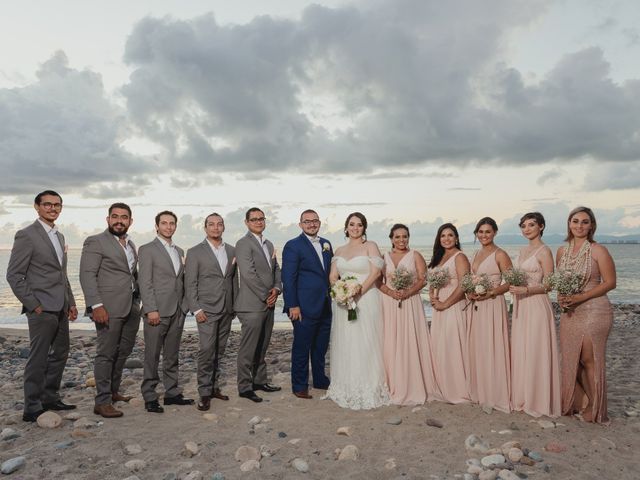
(626, 257)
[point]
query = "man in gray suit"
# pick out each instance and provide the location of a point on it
(37, 274)
(161, 281)
(260, 285)
(109, 280)
(210, 289)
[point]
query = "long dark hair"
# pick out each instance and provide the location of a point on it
(438, 249)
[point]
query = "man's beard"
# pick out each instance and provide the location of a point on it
(118, 234)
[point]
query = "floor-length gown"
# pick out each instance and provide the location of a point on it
(407, 347)
(357, 369)
(535, 372)
(489, 360)
(449, 342)
(592, 320)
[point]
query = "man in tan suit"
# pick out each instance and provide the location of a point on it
(109, 280)
(37, 274)
(260, 285)
(160, 276)
(210, 288)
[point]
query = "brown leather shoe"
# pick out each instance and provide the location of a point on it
(303, 394)
(118, 397)
(219, 395)
(204, 404)
(107, 411)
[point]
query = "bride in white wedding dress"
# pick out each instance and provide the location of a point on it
(357, 369)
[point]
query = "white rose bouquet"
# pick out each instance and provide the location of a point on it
(344, 292)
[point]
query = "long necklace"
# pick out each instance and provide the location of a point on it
(580, 262)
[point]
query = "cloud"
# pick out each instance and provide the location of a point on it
(62, 132)
(613, 176)
(550, 176)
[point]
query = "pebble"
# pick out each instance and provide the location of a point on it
(84, 422)
(300, 465)
(468, 476)
(535, 456)
(527, 461)
(73, 416)
(265, 451)
(488, 475)
(555, 447)
(246, 453)
(23, 352)
(254, 421)
(390, 464)
(133, 449)
(346, 431)
(295, 441)
(475, 444)
(350, 452)
(473, 461)
(250, 465)
(191, 449)
(492, 460)
(132, 477)
(195, 475)
(211, 417)
(49, 420)
(416, 409)
(546, 424)
(9, 434)
(91, 382)
(394, 420)
(631, 413)
(132, 363)
(64, 444)
(282, 435)
(475, 469)
(505, 432)
(217, 476)
(135, 465)
(515, 454)
(487, 409)
(508, 475)
(81, 434)
(602, 441)
(432, 422)
(170, 476)
(13, 464)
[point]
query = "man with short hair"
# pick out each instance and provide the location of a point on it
(260, 285)
(306, 262)
(109, 280)
(37, 274)
(161, 281)
(210, 289)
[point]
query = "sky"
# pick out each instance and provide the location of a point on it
(413, 111)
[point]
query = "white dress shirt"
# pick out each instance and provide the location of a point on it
(173, 253)
(221, 255)
(263, 244)
(315, 242)
(52, 233)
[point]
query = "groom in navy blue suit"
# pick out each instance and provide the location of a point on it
(306, 261)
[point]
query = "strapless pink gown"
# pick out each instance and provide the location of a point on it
(449, 342)
(535, 374)
(406, 345)
(489, 360)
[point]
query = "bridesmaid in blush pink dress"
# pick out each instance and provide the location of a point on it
(406, 345)
(585, 327)
(449, 321)
(489, 359)
(535, 374)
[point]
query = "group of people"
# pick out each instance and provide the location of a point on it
(386, 355)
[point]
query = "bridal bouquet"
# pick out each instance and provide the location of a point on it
(344, 291)
(515, 277)
(565, 282)
(474, 283)
(401, 278)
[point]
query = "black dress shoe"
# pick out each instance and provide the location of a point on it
(31, 416)
(178, 400)
(204, 404)
(153, 406)
(266, 387)
(219, 395)
(58, 405)
(251, 395)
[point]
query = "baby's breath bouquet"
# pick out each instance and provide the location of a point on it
(516, 277)
(344, 292)
(565, 282)
(476, 283)
(437, 278)
(401, 279)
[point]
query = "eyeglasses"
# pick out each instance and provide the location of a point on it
(310, 222)
(49, 206)
(258, 220)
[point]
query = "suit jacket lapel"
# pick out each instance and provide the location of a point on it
(216, 264)
(45, 238)
(230, 258)
(119, 250)
(326, 255)
(165, 254)
(312, 251)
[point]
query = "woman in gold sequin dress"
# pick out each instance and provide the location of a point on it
(585, 327)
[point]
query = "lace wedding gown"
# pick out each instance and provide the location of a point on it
(357, 369)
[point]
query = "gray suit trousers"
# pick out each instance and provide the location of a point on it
(49, 341)
(254, 340)
(213, 335)
(163, 337)
(114, 344)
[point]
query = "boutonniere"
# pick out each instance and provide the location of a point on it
(66, 248)
(326, 247)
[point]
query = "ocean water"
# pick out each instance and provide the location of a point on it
(626, 258)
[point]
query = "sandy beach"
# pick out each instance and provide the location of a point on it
(291, 435)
